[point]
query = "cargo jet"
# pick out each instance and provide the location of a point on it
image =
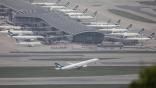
(75, 65)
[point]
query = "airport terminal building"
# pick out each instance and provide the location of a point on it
(25, 14)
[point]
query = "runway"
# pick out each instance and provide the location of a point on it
(107, 59)
(112, 79)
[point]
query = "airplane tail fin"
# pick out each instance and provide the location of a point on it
(76, 7)
(10, 33)
(118, 22)
(130, 26)
(141, 31)
(58, 66)
(85, 11)
(152, 35)
(95, 13)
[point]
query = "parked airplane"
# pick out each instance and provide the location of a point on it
(84, 17)
(27, 37)
(88, 23)
(10, 27)
(29, 43)
(54, 7)
(138, 38)
(74, 14)
(77, 13)
(124, 34)
(65, 10)
(127, 36)
(14, 32)
(103, 25)
(75, 65)
(113, 30)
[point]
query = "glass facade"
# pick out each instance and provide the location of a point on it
(88, 37)
(30, 22)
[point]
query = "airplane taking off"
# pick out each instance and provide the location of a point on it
(75, 65)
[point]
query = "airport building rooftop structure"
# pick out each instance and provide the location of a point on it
(25, 13)
(63, 27)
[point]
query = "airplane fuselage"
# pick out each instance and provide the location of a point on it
(77, 65)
